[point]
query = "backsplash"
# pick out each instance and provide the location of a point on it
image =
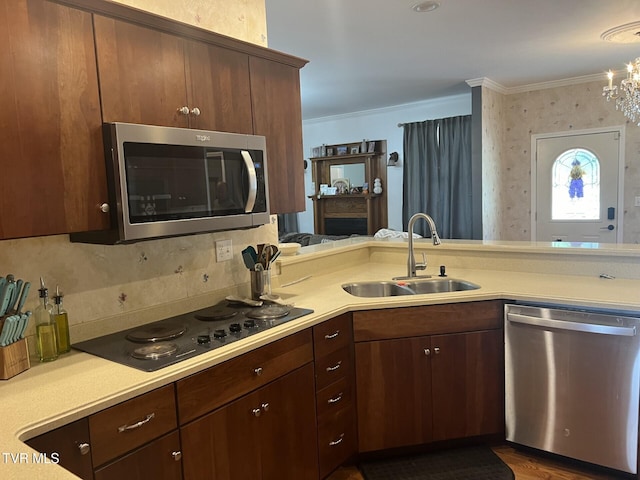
(122, 282)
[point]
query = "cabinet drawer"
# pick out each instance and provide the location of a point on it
(334, 366)
(130, 424)
(335, 397)
(159, 459)
(337, 441)
(332, 335)
(207, 390)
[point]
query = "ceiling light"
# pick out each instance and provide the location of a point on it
(425, 6)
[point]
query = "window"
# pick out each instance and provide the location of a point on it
(575, 192)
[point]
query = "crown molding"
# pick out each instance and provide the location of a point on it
(495, 86)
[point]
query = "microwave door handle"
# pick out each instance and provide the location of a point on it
(253, 181)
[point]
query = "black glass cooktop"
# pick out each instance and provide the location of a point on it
(159, 344)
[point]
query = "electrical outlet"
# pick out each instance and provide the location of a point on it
(224, 250)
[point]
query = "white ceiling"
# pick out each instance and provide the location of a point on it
(378, 53)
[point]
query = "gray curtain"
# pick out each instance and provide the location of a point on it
(287, 223)
(437, 175)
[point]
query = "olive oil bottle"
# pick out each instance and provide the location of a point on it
(46, 329)
(61, 319)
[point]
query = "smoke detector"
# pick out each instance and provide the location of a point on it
(627, 33)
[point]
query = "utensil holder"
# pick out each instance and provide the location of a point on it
(260, 283)
(14, 359)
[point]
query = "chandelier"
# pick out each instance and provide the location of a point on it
(627, 96)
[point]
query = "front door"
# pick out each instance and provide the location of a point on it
(576, 188)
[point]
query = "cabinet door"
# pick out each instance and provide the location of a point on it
(288, 432)
(158, 459)
(224, 444)
(277, 114)
(71, 444)
(142, 74)
(52, 170)
(393, 385)
(468, 379)
(218, 85)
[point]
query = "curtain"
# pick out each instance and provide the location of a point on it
(437, 175)
(287, 223)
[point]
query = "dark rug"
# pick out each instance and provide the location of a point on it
(469, 463)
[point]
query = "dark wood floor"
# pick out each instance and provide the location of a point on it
(525, 466)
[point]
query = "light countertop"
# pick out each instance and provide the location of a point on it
(78, 384)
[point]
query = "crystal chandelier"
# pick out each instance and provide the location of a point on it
(627, 97)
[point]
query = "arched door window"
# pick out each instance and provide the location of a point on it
(575, 189)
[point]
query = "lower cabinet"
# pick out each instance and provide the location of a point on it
(424, 388)
(266, 434)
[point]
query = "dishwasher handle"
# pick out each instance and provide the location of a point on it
(573, 326)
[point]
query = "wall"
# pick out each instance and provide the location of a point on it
(379, 124)
(559, 109)
(242, 19)
(127, 284)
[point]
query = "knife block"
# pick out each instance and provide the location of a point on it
(14, 359)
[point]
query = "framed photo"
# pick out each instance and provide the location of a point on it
(329, 151)
(342, 150)
(372, 147)
(341, 185)
(315, 151)
(354, 150)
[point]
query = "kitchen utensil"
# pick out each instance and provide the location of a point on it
(249, 256)
(14, 296)
(5, 331)
(10, 326)
(264, 254)
(23, 296)
(25, 323)
(5, 296)
(15, 333)
(245, 301)
(274, 256)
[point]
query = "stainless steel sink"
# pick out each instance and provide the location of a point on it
(414, 287)
(377, 289)
(440, 285)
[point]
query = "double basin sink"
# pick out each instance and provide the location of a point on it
(408, 287)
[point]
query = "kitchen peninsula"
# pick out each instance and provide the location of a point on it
(77, 385)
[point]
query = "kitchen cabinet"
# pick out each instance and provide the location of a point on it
(251, 424)
(264, 434)
(69, 446)
(352, 210)
(157, 78)
(277, 114)
(50, 122)
(335, 392)
(430, 373)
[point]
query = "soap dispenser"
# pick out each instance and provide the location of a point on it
(46, 328)
(61, 319)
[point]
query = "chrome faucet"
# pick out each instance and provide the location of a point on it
(412, 266)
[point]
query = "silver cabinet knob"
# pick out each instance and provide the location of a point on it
(257, 371)
(84, 448)
(104, 208)
(177, 456)
(183, 110)
(427, 352)
(256, 412)
(436, 350)
(265, 406)
(195, 111)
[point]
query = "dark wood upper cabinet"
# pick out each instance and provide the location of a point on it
(50, 140)
(277, 114)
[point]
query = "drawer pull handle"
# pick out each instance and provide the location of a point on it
(335, 367)
(125, 428)
(333, 335)
(335, 399)
(257, 371)
(338, 441)
(177, 455)
(265, 406)
(256, 412)
(84, 448)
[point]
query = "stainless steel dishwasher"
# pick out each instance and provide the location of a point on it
(571, 383)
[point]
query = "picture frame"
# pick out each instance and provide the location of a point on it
(354, 150)
(371, 147)
(341, 185)
(329, 151)
(315, 151)
(342, 150)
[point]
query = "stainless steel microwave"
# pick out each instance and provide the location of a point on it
(166, 182)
